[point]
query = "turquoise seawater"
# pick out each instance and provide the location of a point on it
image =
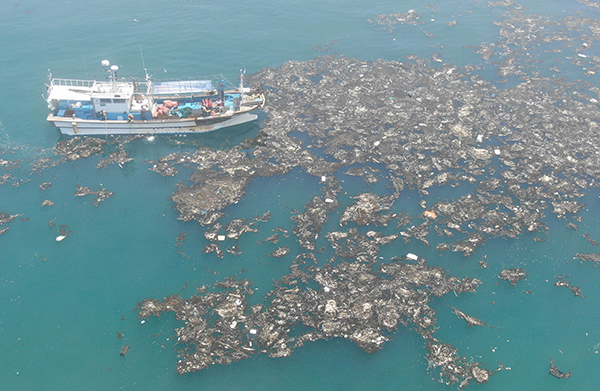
(63, 303)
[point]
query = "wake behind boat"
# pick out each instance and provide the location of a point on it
(91, 107)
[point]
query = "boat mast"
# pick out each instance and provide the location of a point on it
(242, 72)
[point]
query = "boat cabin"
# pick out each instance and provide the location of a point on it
(114, 99)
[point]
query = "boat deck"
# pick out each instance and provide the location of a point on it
(186, 107)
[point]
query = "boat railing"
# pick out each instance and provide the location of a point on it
(72, 83)
(215, 79)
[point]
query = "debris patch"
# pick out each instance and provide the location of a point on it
(512, 275)
(101, 194)
(352, 301)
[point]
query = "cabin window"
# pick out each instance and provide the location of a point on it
(105, 100)
(118, 100)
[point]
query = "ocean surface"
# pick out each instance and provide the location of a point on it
(62, 304)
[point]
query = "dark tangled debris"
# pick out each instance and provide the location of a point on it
(352, 301)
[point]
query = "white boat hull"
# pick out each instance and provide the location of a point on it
(81, 127)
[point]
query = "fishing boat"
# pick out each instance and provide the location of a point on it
(120, 106)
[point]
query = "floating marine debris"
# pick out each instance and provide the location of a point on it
(587, 237)
(554, 371)
(5, 178)
(63, 231)
(79, 148)
(456, 369)
(120, 157)
(413, 126)
(512, 275)
(43, 163)
(10, 164)
(180, 239)
(280, 252)
(213, 248)
(101, 194)
(572, 226)
(471, 320)
(410, 17)
(593, 257)
(567, 284)
(237, 227)
(352, 302)
(6, 218)
(270, 239)
(20, 182)
(368, 209)
(511, 198)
